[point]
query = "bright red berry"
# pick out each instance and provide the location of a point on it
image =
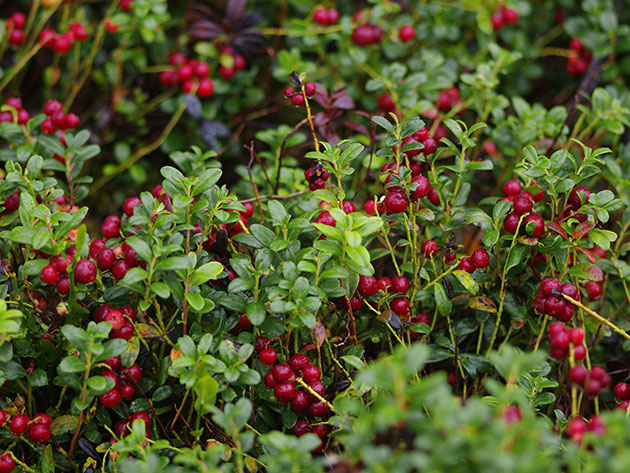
(49, 275)
(400, 305)
(480, 258)
(85, 271)
(39, 433)
(406, 33)
(268, 356)
(400, 284)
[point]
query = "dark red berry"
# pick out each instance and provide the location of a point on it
(480, 258)
(400, 284)
(7, 463)
(85, 272)
(105, 258)
(299, 402)
(538, 227)
(284, 392)
(129, 205)
(269, 380)
(396, 202)
(298, 362)
(512, 188)
(311, 373)
(367, 286)
(400, 305)
(268, 356)
(127, 391)
(318, 409)
(593, 289)
(115, 319)
(39, 433)
(430, 248)
(18, 424)
(578, 374)
(466, 264)
(120, 268)
(579, 196)
(49, 275)
(406, 33)
(282, 372)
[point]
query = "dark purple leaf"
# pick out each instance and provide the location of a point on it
(204, 30)
(356, 126)
(295, 79)
(345, 102)
(234, 9)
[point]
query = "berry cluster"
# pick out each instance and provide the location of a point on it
(14, 26)
(366, 34)
(577, 427)
(316, 177)
(522, 204)
(447, 99)
(20, 117)
(325, 16)
(561, 338)
(592, 381)
(62, 42)
(549, 299)
(369, 286)
(480, 259)
(504, 16)
(7, 463)
(622, 393)
(297, 98)
(121, 320)
(578, 62)
(302, 427)
(37, 428)
(124, 381)
(189, 74)
(230, 63)
(57, 120)
(282, 379)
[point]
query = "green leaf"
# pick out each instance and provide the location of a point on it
(72, 364)
(467, 281)
(206, 272)
(196, 301)
(206, 389)
(442, 301)
(383, 123)
(256, 313)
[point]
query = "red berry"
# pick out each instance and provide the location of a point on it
(309, 89)
(127, 391)
(333, 16)
(269, 380)
(284, 392)
(538, 227)
(560, 340)
(320, 16)
(497, 21)
(356, 303)
(555, 306)
(49, 275)
(423, 187)
(297, 100)
(129, 205)
(299, 402)
(311, 373)
(112, 375)
(576, 335)
(85, 272)
(239, 62)
(384, 284)
(579, 352)
(120, 268)
(385, 103)
(406, 33)
(125, 332)
(522, 204)
(466, 264)
(18, 424)
(206, 88)
(282, 372)
(480, 258)
(367, 286)
(300, 428)
(16, 37)
(318, 409)
(143, 416)
(510, 16)
(72, 121)
(434, 196)
(396, 202)
(400, 284)
(7, 463)
(132, 374)
(593, 289)
(430, 248)
(512, 188)
(110, 399)
(113, 363)
(288, 92)
(268, 356)
(298, 362)
(18, 19)
(105, 258)
(430, 147)
(226, 72)
(115, 319)
(622, 391)
(578, 374)
(63, 285)
(578, 196)
(400, 305)
(4, 417)
(39, 433)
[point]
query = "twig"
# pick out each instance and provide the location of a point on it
(251, 179)
(603, 320)
(275, 196)
(284, 142)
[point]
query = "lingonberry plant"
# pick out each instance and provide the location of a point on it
(314, 237)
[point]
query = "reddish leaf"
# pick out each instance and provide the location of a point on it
(583, 229)
(558, 229)
(588, 254)
(319, 334)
